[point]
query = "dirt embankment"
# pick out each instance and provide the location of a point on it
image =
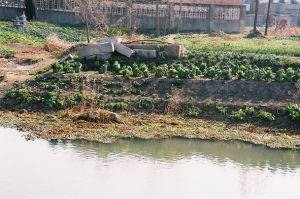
(149, 107)
(236, 92)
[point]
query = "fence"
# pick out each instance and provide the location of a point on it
(189, 17)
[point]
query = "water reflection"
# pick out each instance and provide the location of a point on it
(175, 149)
(135, 169)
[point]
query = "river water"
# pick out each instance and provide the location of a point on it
(135, 169)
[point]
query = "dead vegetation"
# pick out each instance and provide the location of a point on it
(99, 115)
(255, 34)
(53, 43)
(283, 29)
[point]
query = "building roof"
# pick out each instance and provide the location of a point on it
(223, 2)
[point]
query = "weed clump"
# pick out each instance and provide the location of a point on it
(53, 43)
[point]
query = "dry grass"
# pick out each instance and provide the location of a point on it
(53, 43)
(283, 29)
(173, 105)
(88, 111)
(136, 37)
(99, 115)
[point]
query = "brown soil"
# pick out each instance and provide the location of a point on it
(19, 65)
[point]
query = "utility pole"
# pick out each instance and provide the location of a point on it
(268, 17)
(255, 18)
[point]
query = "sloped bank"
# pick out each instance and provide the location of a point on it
(52, 106)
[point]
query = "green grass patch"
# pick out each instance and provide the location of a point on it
(37, 33)
(6, 50)
(234, 43)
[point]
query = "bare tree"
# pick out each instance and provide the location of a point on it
(93, 13)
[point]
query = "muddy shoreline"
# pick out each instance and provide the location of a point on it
(143, 126)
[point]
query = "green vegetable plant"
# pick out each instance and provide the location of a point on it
(222, 109)
(293, 111)
(238, 115)
(192, 112)
(266, 116)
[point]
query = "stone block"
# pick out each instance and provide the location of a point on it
(120, 48)
(143, 46)
(146, 53)
(123, 50)
(175, 50)
(95, 49)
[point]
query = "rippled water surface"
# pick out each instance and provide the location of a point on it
(173, 168)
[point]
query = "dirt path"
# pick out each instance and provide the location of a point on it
(26, 60)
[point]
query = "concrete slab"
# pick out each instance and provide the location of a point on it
(173, 50)
(103, 56)
(146, 53)
(95, 49)
(115, 39)
(123, 50)
(143, 46)
(91, 57)
(120, 48)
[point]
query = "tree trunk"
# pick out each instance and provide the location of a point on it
(256, 14)
(165, 20)
(157, 20)
(88, 33)
(179, 17)
(268, 17)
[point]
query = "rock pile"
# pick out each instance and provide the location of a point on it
(104, 49)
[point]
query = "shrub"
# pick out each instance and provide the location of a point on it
(238, 115)
(249, 110)
(280, 75)
(290, 73)
(266, 116)
(269, 75)
(120, 106)
(293, 111)
(192, 112)
(146, 104)
(222, 109)
(159, 72)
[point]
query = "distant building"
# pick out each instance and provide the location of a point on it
(250, 4)
(280, 9)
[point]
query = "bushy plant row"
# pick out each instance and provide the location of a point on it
(292, 111)
(233, 58)
(243, 114)
(182, 69)
(51, 100)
